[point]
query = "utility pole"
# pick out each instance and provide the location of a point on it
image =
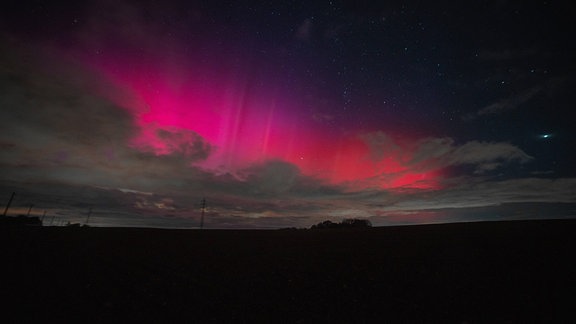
(29, 210)
(9, 203)
(203, 210)
(89, 213)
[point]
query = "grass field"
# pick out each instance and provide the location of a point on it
(521, 271)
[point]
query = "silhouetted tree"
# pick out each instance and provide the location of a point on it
(356, 223)
(347, 223)
(325, 224)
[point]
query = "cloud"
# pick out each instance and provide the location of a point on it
(272, 177)
(506, 104)
(58, 103)
(436, 153)
(382, 146)
(50, 117)
(484, 156)
(482, 153)
(503, 55)
(480, 192)
(304, 30)
(509, 103)
(56, 126)
(173, 141)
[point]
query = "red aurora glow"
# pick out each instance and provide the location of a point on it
(250, 122)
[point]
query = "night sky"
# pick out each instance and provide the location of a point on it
(287, 113)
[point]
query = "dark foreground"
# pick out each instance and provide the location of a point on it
(477, 272)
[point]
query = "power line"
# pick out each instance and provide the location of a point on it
(9, 203)
(89, 213)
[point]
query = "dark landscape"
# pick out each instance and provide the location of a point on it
(517, 271)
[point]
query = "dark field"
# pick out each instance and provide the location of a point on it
(477, 272)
